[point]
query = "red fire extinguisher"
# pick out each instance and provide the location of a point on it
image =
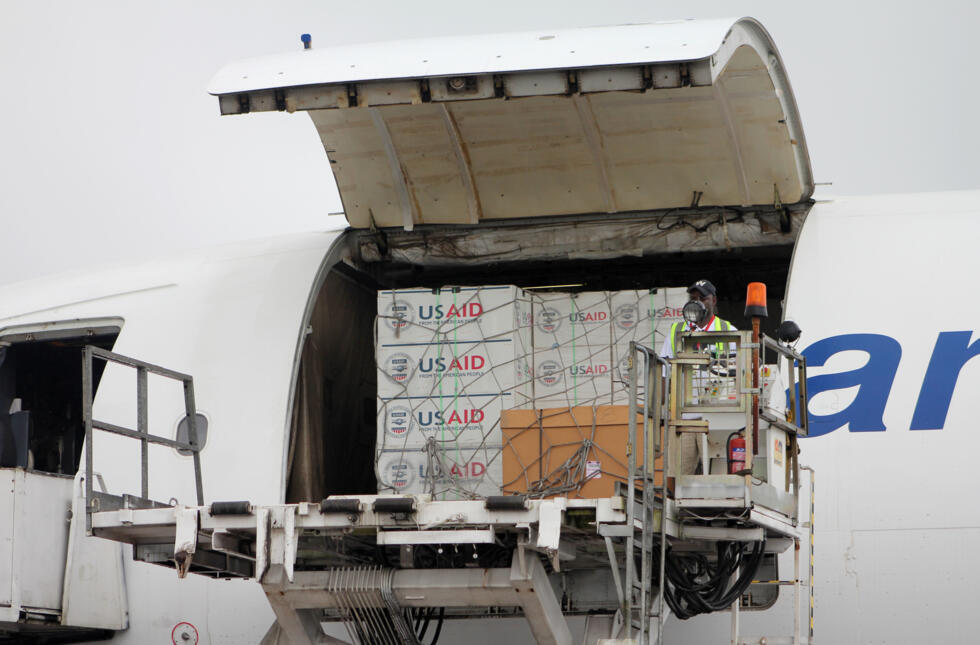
(736, 454)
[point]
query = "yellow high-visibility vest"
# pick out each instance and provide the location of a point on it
(717, 324)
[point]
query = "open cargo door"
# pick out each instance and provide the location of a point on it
(601, 120)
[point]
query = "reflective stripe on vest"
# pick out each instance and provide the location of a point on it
(678, 328)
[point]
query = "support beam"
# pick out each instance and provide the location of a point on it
(411, 588)
(541, 608)
(741, 174)
(463, 163)
(398, 181)
(297, 626)
(454, 588)
(294, 603)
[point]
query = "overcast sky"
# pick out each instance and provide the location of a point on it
(111, 149)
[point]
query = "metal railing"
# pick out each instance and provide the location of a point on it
(795, 422)
(141, 433)
(656, 379)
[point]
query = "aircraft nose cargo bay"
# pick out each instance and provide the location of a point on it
(485, 421)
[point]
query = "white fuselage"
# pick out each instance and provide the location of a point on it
(879, 285)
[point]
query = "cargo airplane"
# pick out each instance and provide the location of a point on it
(627, 157)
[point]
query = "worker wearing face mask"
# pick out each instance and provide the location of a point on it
(703, 308)
(700, 314)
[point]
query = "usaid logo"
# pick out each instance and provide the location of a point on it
(668, 313)
(398, 367)
(549, 320)
(457, 418)
(398, 315)
(549, 373)
(627, 316)
(467, 363)
(398, 474)
(588, 369)
(468, 470)
(399, 421)
(588, 316)
(470, 310)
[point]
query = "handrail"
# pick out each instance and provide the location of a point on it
(142, 432)
(657, 370)
(797, 396)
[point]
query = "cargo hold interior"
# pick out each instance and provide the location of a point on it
(332, 439)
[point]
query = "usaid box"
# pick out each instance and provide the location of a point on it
(405, 423)
(454, 369)
(451, 313)
(659, 310)
(565, 319)
(450, 473)
(632, 318)
(668, 308)
(571, 376)
(645, 316)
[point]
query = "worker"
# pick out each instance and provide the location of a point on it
(704, 293)
(700, 317)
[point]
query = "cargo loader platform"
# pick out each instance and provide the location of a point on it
(503, 556)
(384, 564)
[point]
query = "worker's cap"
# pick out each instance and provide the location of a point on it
(704, 287)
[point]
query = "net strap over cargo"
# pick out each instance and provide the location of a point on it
(462, 410)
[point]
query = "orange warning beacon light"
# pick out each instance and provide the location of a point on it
(755, 300)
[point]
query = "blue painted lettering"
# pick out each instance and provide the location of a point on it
(952, 351)
(874, 381)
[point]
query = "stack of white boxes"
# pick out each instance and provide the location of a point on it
(646, 318)
(448, 362)
(581, 341)
(572, 361)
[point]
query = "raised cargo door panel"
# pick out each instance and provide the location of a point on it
(560, 131)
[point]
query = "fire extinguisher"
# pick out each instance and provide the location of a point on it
(736, 453)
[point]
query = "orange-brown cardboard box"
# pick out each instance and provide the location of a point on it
(544, 449)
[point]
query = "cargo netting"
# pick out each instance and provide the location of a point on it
(453, 362)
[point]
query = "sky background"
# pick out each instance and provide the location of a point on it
(111, 149)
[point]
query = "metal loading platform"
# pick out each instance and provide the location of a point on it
(389, 566)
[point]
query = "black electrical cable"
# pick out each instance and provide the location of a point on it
(442, 616)
(693, 586)
(420, 634)
(745, 579)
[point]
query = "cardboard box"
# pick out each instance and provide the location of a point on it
(668, 308)
(659, 310)
(452, 314)
(406, 423)
(631, 316)
(457, 472)
(645, 316)
(452, 369)
(564, 319)
(572, 376)
(620, 375)
(546, 448)
(455, 364)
